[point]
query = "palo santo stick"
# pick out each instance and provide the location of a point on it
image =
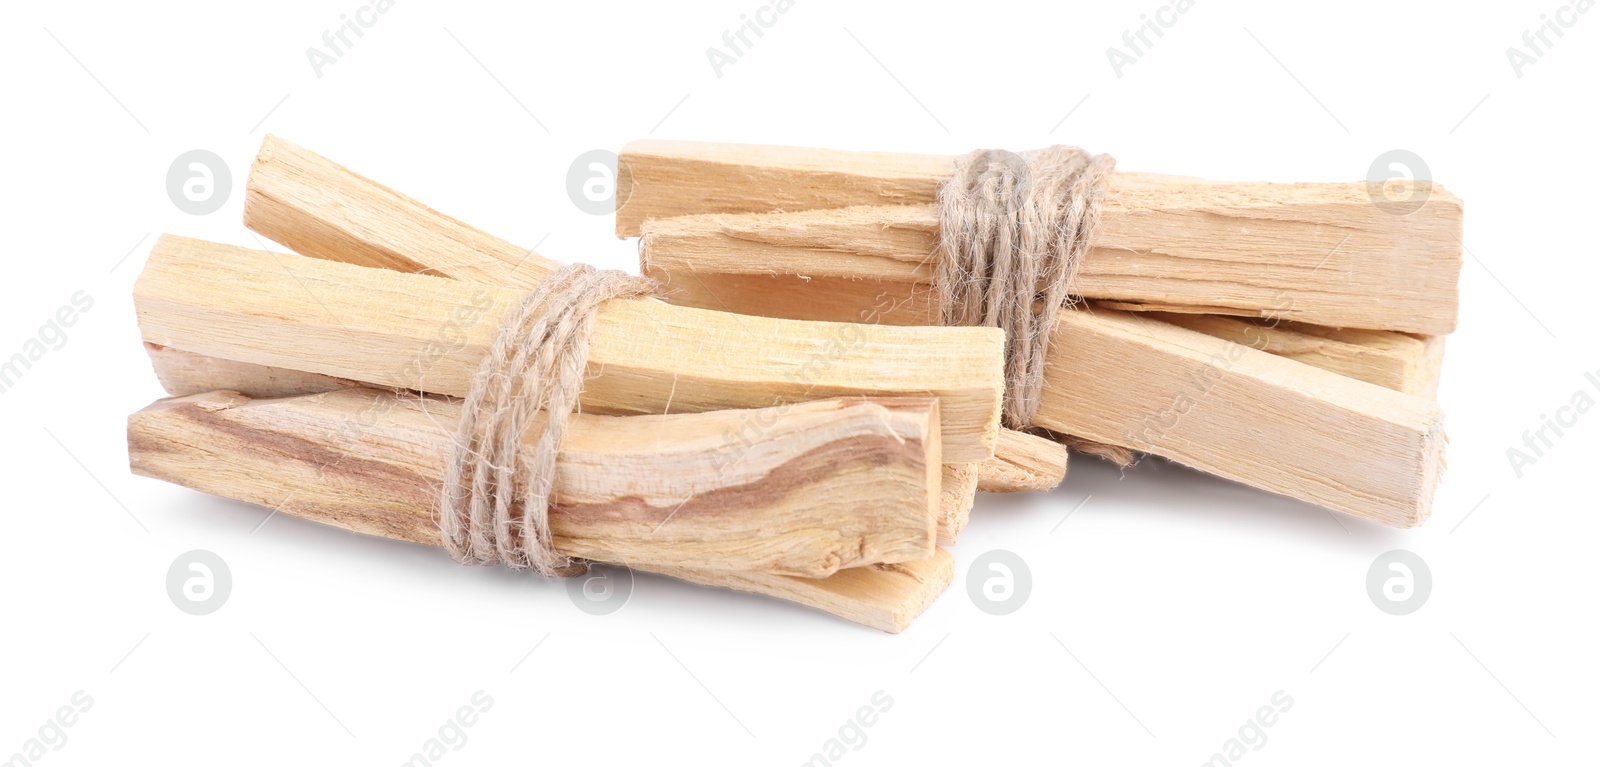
(1023, 462)
(1154, 381)
(791, 296)
(1031, 468)
(1327, 252)
(1421, 380)
(426, 333)
(958, 490)
(886, 597)
(319, 208)
(184, 373)
(1227, 409)
(1398, 361)
(830, 484)
(781, 295)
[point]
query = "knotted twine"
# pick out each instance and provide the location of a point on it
(1012, 231)
(536, 363)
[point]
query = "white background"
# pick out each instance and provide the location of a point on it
(1164, 611)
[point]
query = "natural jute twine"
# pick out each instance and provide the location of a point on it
(1012, 231)
(535, 364)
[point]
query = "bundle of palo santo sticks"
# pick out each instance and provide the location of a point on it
(1286, 336)
(789, 420)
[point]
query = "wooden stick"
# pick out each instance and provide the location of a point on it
(787, 296)
(184, 374)
(827, 485)
(1023, 462)
(1422, 364)
(1029, 465)
(319, 208)
(1150, 382)
(426, 333)
(883, 596)
(886, 597)
(958, 490)
(1319, 253)
(1225, 408)
(1398, 361)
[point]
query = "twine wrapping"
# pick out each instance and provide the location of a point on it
(536, 363)
(1012, 231)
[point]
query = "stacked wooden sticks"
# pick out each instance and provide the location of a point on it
(818, 449)
(1287, 336)
(803, 460)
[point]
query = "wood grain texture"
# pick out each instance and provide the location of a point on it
(886, 597)
(427, 333)
(795, 296)
(186, 373)
(1225, 408)
(319, 208)
(829, 484)
(1143, 382)
(1321, 253)
(1398, 361)
(1262, 441)
(1023, 462)
(958, 489)
(183, 373)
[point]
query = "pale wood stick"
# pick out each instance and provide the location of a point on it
(426, 333)
(1432, 367)
(1422, 379)
(1398, 361)
(1146, 380)
(958, 490)
(1224, 408)
(886, 597)
(883, 596)
(1401, 361)
(1027, 465)
(184, 373)
(827, 485)
(1023, 462)
(789, 296)
(1327, 251)
(319, 208)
